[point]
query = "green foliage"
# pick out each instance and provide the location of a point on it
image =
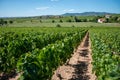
(113, 19)
(73, 26)
(61, 21)
(77, 19)
(11, 22)
(105, 53)
(69, 20)
(18, 44)
(3, 22)
(40, 64)
(53, 21)
(40, 21)
(37, 54)
(58, 25)
(84, 20)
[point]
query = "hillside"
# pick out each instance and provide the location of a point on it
(87, 14)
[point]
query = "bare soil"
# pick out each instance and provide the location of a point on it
(11, 76)
(79, 66)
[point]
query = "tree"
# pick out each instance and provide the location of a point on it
(76, 19)
(58, 25)
(10, 21)
(5, 22)
(53, 21)
(1, 22)
(69, 20)
(40, 21)
(107, 20)
(95, 19)
(40, 17)
(84, 20)
(114, 19)
(61, 21)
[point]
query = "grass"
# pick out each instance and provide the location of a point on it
(37, 29)
(64, 24)
(46, 21)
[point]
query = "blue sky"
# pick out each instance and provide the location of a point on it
(13, 8)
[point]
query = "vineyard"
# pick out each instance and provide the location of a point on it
(106, 53)
(35, 53)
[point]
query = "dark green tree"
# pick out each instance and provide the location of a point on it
(58, 25)
(40, 21)
(114, 19)
(77, 19)
(95, 19)
(11, 22)
(5, 22)
(1, 22)
(61, 21)
(69, 20)
(84, 20)
(107, 20)
(53, 21)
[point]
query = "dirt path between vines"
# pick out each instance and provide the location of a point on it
(79, 66)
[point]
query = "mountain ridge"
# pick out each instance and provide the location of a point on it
(88, 14)
(70, 14)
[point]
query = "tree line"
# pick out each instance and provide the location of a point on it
(112, 19)
(5, 22)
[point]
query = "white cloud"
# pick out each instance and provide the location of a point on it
(42, 8)
(65, 10)
(54, 0)
(69, 10)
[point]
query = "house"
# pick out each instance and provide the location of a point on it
(107, 16)
(101, 20)
(118, 19)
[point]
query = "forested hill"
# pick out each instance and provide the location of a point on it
(87, 14)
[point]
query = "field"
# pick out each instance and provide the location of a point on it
(64, 24)
(55, 45)
(35, 53)
(59, 40)
(63, 21)
(106, 53)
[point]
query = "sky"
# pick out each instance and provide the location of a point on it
(24, 8)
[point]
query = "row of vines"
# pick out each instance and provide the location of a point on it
(106, 53)
(36, 55)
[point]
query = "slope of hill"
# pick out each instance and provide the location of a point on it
(87, 14)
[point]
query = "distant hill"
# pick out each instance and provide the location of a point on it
(87, 14)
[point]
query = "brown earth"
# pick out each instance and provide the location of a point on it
(11, 76)
(79, 66)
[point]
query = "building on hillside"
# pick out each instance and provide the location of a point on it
(107, 16)
(118, 19)
(101, 20)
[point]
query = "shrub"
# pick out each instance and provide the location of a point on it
(53, 21)
(61, 21)
(69, 20)
(73, 25)
(10, 22)
(58, 25)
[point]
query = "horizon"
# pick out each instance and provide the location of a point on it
(27, 8)
(55, 15)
